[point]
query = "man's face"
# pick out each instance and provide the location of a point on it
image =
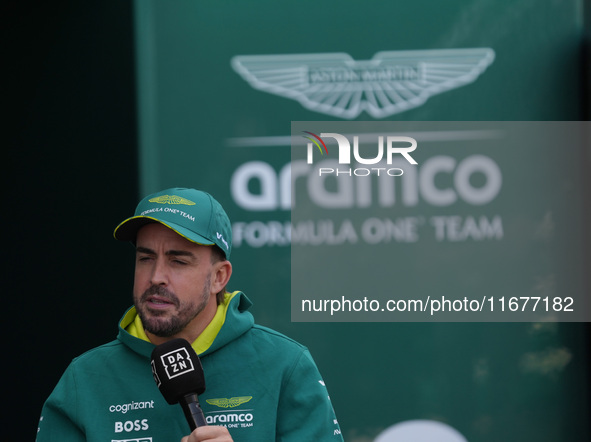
(172, 285)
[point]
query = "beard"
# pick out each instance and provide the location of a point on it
(163, 324)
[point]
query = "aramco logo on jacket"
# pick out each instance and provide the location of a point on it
(391, 82)
(230, 418)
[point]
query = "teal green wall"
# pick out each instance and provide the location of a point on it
(200, 122)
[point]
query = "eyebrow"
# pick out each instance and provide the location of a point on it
(168, 252)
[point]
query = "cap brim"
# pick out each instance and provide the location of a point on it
(127, 230)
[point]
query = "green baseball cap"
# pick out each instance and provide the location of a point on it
(193, 214)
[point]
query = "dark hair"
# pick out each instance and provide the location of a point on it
(218, 255)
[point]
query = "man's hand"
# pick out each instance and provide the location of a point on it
(208, 433)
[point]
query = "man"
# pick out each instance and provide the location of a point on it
(260, 385)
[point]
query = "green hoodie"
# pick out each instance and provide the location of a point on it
(260, 384)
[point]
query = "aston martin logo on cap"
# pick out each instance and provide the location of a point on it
(336, 84)
(171, 199)
(229, 403)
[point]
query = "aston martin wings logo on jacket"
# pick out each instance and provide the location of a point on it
(229, 403)
(336, 84)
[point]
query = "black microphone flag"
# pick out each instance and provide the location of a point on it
(179, 376)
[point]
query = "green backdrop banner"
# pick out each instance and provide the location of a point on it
(219, 84)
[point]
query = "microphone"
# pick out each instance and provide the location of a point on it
(179, 376)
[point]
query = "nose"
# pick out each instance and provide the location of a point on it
(159, 273)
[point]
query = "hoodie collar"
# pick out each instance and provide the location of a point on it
(230, 321)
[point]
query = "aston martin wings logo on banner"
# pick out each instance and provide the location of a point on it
(389, 83)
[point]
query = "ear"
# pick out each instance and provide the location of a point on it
(222, 270)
